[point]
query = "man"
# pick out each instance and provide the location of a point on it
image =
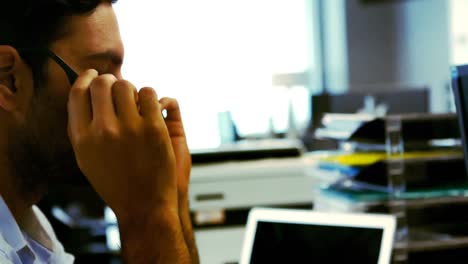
(65, 111)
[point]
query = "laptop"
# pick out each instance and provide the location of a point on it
(306, 236)
(460, 91)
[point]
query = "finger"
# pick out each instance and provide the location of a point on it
(123, 94)
(79, 102)
(174, 117)
(149, 106)
(172, 107)
(101, 97)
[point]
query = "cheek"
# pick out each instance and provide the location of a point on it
(57, 86)
(50, 106)
(47, 122)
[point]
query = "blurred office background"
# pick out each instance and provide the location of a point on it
(223, 56)
(249, 70)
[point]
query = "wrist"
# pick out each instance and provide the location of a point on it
(165, 216)
(140, 233)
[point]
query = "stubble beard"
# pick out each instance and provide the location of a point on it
(40, 152)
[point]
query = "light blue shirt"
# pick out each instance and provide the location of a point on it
(17, 247)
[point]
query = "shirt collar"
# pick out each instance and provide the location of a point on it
(10, 229)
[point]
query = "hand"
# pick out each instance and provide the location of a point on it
(124, 149)
(122, 145)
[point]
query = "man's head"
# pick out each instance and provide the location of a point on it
(34, 88)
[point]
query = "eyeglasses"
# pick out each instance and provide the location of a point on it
(72, 75)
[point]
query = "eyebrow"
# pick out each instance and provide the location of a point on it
(113, 56)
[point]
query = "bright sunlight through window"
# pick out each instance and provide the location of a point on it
(216, 56)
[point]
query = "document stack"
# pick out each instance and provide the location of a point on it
(411, 166)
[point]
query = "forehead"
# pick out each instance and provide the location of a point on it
(92, 33)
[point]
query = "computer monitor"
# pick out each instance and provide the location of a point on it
(460, 91)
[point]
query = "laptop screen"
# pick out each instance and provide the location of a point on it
(300, 243)
(306, 236)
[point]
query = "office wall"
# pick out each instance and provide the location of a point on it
(404, 43)
(425, 49)
(372, 34)
(334, 45)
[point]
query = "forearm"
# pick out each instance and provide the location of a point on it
(154, 238)
(187, 228)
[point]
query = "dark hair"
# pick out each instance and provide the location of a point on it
(35, 24)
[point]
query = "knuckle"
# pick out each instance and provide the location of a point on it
(123, 85)
(106, 132)
(154, 128)
(147, 92)
(103, 80)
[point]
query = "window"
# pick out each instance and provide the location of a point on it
(459, 31)
(220, 55)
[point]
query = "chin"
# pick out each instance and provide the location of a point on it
(38, 167)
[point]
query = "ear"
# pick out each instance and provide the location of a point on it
(8, 61)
